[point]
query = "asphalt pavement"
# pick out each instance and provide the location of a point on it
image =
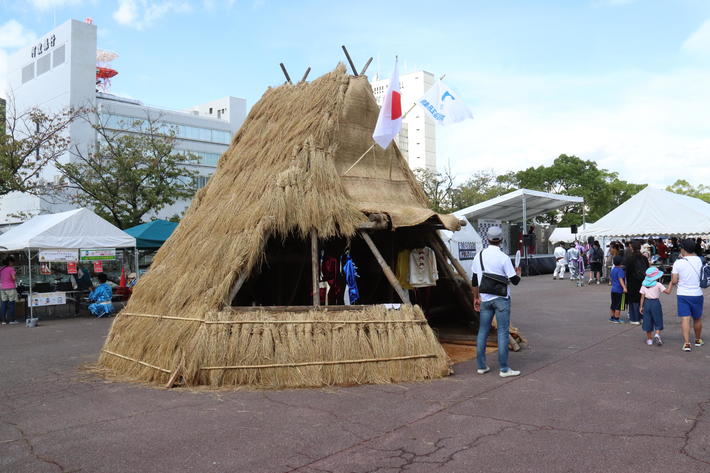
(592, 397)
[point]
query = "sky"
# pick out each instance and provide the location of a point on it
(625, 83)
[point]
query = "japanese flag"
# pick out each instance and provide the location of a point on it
(389, 122)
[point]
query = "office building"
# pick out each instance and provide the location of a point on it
(60, 71)
(417, 139)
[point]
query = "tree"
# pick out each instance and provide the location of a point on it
(129, 173)
(31, 140)
(481, 186)
(682, 186)
(601, 189)
(438, 187)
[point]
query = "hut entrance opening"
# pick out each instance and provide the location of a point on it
(284, 279)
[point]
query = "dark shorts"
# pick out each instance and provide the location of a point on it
(616, 300)
(652, 315)
(690, 306)
(595, 267)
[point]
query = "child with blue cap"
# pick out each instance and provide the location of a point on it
(651, 308)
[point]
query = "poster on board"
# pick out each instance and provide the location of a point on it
(71, 268)
(98, 266)
(97, 254)
(41, 299)
(58, 256)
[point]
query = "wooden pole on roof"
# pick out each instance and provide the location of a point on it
(283, 68)
(367, 64)
(315, 273)
(352, 64)
(305, 74)
(403, 295)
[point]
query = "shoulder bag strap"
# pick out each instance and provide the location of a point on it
(480, 255)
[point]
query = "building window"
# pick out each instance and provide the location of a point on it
(210, 110)
(28, 72)
(43, 64)
(58, 56)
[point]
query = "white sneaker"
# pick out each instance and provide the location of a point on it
(635, 323)
(483, 371)
(649, 342)
(657, 339)
(510, 372)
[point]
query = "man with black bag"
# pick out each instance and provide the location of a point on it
(492, 272)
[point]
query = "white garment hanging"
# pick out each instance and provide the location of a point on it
(422, 268)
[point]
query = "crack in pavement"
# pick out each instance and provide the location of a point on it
(686, 436)
(35, 454)
(444, 408)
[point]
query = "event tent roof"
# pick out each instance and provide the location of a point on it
(80, 228)
(509, 207)
(655, 212)
(152, 234)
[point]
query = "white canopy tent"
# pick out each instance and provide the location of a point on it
(74, 229)
(654, 212)
(463, 244)
(518, 206)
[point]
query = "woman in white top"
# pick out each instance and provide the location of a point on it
(686, 275)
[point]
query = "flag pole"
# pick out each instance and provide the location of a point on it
(359, 159)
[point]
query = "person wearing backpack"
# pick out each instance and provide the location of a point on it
(687, 273)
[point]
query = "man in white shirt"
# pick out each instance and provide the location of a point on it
(560, 261)
(572, 257)
(493, 261)
(686, 275)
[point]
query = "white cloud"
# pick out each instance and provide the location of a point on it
(655, 133)
(699, 41)
(140, 14)
(44, 5)
(12, 35)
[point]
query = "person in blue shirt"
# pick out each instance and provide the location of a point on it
(101, 297)
(618, 288)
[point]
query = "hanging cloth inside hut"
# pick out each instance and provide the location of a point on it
(422, 268)
(350, 270)
(331, 273)
(402, 269)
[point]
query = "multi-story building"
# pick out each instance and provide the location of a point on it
(60, 71)
(417, 139)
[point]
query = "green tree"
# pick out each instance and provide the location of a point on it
(601, 189)
(481, 186)
(682, 186)
(31, 140)
(130, 172)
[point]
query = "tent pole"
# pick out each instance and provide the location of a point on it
(314, 267)
(137, 262)
(29, 275)
(525, 232)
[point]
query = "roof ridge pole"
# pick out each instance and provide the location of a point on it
(352, 64)
(359, 159)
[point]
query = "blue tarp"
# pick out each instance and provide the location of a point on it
(152, 234)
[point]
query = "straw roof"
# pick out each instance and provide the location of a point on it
(283, 174)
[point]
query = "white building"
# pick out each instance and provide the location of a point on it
(59, 72)
(417, 139)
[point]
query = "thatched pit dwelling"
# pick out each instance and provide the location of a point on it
(229, 299)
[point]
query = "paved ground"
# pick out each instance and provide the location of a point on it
(593, 398)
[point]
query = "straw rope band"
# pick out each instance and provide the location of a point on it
(211, 322)
(137, 361)
(318, 363)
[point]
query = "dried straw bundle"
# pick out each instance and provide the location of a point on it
(284, 349)
(282, 175)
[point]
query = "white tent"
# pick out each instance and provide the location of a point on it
(654, 212)
(519, 205)
(565, 234)
(463, 245)
(74, 229)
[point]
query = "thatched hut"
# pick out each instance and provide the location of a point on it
(232, 298)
